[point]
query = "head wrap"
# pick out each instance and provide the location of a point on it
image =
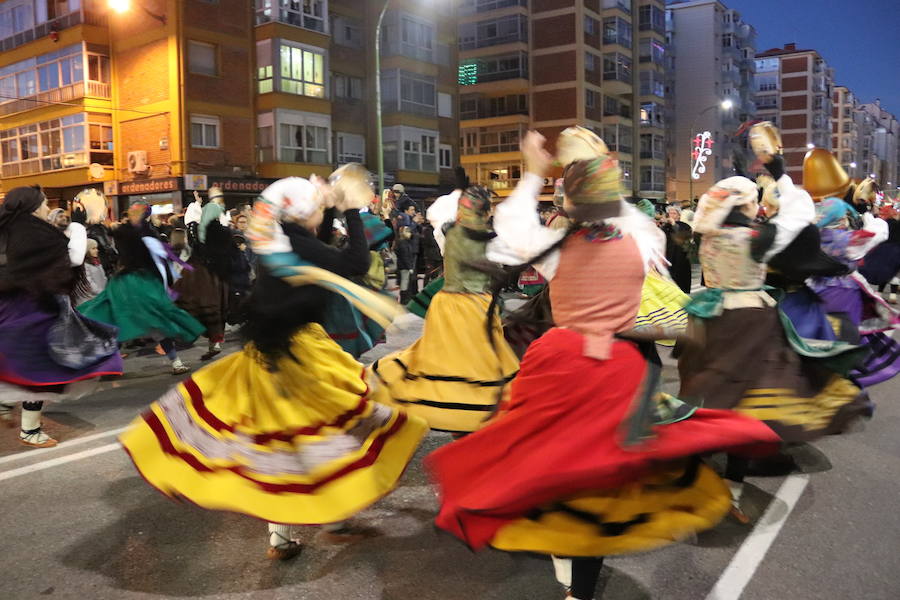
(139, 208)
(293, 197)
(833, 213)
(55, 215)
(720, 199)
(473, 208)
(94, 203)
(20, 200)
(647, 207)
(214, 193)
(593, 181)
(578, 143)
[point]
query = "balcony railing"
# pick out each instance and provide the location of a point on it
(95, 89)
(81, 17)
(471, 7)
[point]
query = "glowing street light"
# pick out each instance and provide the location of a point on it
(119, 6)
(810, 146)
(853, 165)
(727, 104)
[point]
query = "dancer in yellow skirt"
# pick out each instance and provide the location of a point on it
(455, 374)
(288, 430)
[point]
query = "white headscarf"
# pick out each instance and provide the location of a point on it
(291, 197)
(717, 202)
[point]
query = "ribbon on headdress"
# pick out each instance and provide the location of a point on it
(831, 212)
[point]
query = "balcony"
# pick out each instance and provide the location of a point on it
(487, 108)
(81, 17)
(313, 15)
(67, 93)
(471, 7)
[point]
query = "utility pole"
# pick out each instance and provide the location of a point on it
(635, 102)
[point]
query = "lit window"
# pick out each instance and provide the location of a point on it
(202, 58)
(204, 132)
(302, 71)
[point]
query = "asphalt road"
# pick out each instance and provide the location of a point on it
(78, 522)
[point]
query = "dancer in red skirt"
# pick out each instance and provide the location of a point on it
(586, 460)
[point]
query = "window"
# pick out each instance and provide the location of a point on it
(503, 30)
(469, 7)
(591, 25)
(411, 148)
(350, 148)
(616, 67)
(766, 64)
(766, 102)
(417, 94)
(61, 71)
(766, 83)
(653, 179)
(625, 166)
(500, 176)
(617, 31)
(590, 62)
(846, 127)
(56, 144)
(611, 106)
(302, 71)
(653, 51)
(498, 140)
(15, 17)
(653, 146)
(264, 69)
(652, 115)
(591, 98)
(346, 86)
(202, 58)
(417, 38)
(727, 40)
(472, 106)
(347, 32)
(445, 156)
(493, 68)
(652, 18)
(652, 84)
(618, 137)
(204, 132)
(303, 143)
(309, 14)
(445, 105)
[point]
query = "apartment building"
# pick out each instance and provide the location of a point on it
(848, 131)
(712, 77)
(885, 137)
(551, 64)
(794, 91)
(170, 97)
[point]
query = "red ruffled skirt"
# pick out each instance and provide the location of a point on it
(561, 439)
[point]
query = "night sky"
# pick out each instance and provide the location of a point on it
(860, 39)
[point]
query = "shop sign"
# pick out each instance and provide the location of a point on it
(150, 186)
(241, 186)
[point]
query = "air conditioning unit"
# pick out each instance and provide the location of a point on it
(137, 162)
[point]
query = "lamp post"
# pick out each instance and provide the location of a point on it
(379, 135)
(724, 105)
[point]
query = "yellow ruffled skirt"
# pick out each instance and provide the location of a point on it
(307, 444)
(665, 507)
(662, 305)
(451, 376)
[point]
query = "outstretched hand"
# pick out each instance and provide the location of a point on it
(537, 159)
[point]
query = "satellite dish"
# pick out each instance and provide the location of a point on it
(96, 171)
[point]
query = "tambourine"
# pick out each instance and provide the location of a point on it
(765, 140)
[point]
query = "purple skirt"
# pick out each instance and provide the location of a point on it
(24, 352)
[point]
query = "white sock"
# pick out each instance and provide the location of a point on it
(737, 490)
(31, 419)
(177, 364)
(563, 570)
(279, 535)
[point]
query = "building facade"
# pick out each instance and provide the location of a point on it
(173, 96)
(794, 91)
(551, 64)
(885, 137)
(713, 77)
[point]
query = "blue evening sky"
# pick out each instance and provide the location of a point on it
(860, 39)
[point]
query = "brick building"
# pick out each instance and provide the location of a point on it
(550, 64)
(713, 49)
(173, 96)
(794, 91)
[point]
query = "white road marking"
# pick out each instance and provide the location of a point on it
(747, 559)
(67, 444)
(55, 462)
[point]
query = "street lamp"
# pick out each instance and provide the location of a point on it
(724, 105)
(810, 146)
(379, 135)
(123, 6)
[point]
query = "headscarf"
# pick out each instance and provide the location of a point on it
(716, 204)
(20, 200)
(54, 216)
(647, 207)
(833, 213)
(593, 181)
(473, 208)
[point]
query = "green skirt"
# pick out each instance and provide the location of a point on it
(137, 303)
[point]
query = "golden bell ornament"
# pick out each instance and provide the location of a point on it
(866, 191)
(578, 143)
(823, 176)
(765, 140)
